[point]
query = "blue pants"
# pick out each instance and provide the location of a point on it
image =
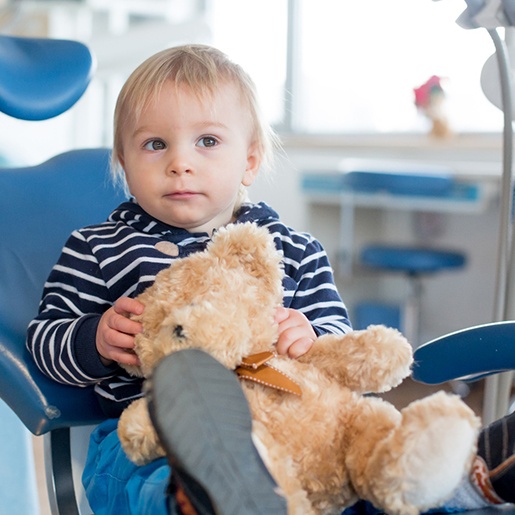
(115, 485)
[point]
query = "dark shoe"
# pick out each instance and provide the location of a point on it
(203, 421)
(496, 446)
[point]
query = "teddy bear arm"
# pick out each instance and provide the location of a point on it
(372, 360)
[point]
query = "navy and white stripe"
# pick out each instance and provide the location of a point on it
(101, 263)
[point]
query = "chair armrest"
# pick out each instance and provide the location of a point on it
(41, 403)
(467, 354)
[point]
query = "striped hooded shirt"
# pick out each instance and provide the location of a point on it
(104, 262)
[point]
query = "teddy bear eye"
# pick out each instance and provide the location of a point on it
(178, 332)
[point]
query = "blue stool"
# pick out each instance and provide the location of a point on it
(416, 263)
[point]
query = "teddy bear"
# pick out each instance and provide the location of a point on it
(326, 437)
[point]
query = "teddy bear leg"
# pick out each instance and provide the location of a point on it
(137, 435)
(420, 460)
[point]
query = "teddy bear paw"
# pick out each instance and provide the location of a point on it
(137, 435)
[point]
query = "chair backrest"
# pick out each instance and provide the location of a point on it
(40, 207)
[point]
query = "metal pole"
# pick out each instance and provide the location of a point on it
(495, 403)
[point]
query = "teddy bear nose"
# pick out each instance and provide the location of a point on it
(178, 332)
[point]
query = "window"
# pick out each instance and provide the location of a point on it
(254, 34)
(355, 64)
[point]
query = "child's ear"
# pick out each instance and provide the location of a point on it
(121, 160)
(253, 163)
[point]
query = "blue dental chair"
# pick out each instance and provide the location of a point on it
(40, 206)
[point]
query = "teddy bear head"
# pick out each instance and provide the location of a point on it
(221, 300)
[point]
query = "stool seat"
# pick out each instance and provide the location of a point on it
(411, 260)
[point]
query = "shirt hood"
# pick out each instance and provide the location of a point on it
(132, 214)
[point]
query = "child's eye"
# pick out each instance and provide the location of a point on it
(155, 144)
(207, 141)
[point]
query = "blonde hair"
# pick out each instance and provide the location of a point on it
(202, 69)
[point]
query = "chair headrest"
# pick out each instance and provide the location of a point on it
(42, 78)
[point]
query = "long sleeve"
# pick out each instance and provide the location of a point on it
(62, 337)
(316, 295)
(309, 284)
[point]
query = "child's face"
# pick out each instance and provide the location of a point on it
(185, 158)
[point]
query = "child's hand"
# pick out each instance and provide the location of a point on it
(116, 332)
(296, 335)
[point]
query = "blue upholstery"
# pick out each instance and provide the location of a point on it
(40, 207)
(475, 351)
(411, 260)
(42, 78)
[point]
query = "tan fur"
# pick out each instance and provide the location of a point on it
(333, 445)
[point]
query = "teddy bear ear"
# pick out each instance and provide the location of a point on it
(249, 245)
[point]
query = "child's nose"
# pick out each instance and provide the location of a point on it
(179, 164)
